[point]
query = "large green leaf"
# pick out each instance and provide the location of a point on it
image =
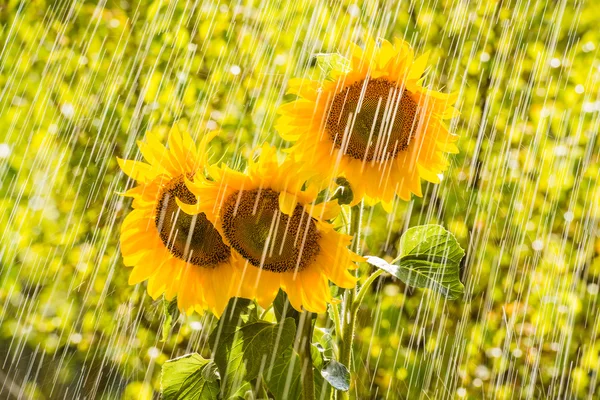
(239, 311)
(283, 308)
(429, 258)
(190, 377)
(283, 378)
(242, 353)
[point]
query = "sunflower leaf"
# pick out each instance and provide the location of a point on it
(189, 377)
(343, 193)
(283, 308)
(243, 352)
(239, 311)
(323, 348)
(429, 258)
(337, 375)
(283, 377)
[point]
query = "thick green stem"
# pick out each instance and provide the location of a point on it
(265, 312)
(337, 321)
(349, 311)
(365, 288)
(308, 380)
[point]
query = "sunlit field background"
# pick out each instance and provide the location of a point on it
(81, 81)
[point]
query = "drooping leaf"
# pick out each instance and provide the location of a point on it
(189, 377)
(243, 352)
(337, 375)
(323, 347)
(429, 258)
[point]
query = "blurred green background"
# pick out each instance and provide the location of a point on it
(80, 81)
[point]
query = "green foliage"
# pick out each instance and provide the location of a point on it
(171, 313)
(337, 375)
(243, 353)
(283, 309)
(190, 377)
(283, 377)
(343, 193)
(429, 258)
(243, 346)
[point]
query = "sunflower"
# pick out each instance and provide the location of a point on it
(373, 123)
(266, 217)
(178, 254)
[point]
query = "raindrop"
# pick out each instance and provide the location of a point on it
(4, 150)
(569, 216)
(36, 203)
(67, 110)
(353, 10)
(496, 352)
(196, 325)
(537, 245)
(589, 46)
(52, 129)
(591, 106)
(280, 59)
(517, 353)
(75, 338)
(211, 125)
(153, 352)
(561, 150)
(555, 62)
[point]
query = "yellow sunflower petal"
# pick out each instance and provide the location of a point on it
(287, 202)
(419, 65)
(138, 170)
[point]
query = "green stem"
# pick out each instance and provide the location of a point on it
(365, 288)
(337, 320)
(265, 312)
(306, 363)
(349, 311)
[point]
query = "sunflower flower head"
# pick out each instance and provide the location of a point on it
(372, 123)
(273, 224)
(178, 254)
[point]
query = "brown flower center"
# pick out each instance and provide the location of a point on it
(266, 237)
(373, 122)
(191, 238)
